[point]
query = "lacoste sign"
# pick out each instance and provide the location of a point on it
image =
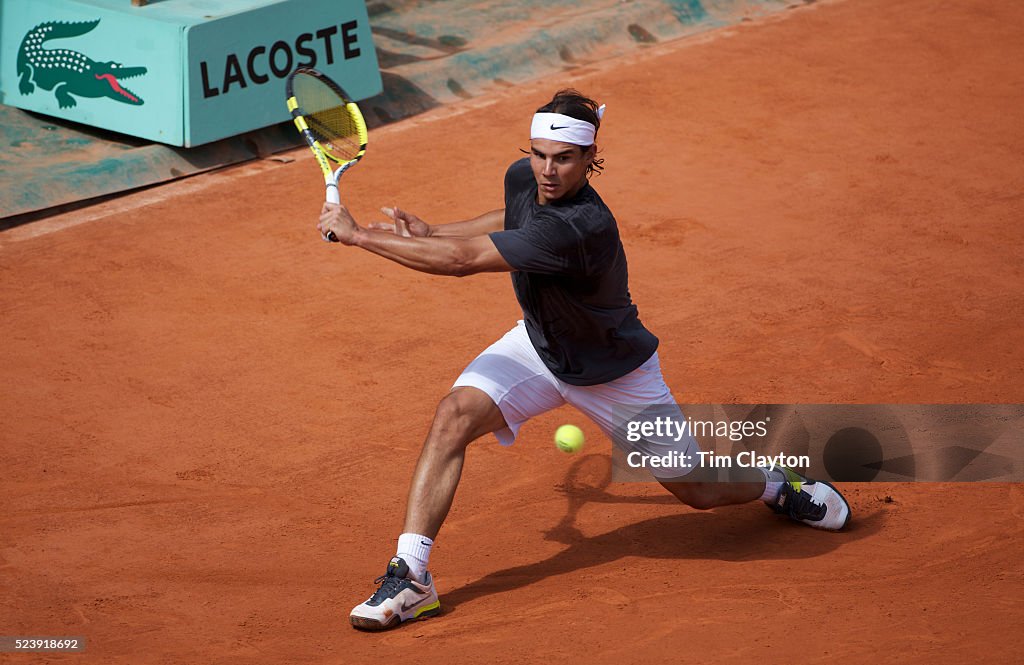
(204, 70)
(263, 61)
(69, 73)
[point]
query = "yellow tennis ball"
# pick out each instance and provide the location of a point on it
(569, 438)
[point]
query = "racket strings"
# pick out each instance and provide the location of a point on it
(337, 131)
(328, 118)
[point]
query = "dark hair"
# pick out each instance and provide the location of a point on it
(574, 104)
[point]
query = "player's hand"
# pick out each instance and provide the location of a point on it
(403, 224)
(335, 217)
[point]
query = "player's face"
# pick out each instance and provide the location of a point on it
(560, 169)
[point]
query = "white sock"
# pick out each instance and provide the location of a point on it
(773, 481)
(415, 549)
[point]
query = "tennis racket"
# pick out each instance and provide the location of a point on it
(331, 124)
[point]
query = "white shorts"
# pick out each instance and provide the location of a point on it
(513, 375)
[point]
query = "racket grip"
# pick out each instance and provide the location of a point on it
(333, 196)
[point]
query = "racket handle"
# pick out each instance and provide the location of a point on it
(332, 193)
(333, 196)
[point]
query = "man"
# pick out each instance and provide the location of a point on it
(580, 342)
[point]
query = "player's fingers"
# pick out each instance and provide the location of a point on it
(402, 228)
(403, 215)
(382, 226)
(388, 212)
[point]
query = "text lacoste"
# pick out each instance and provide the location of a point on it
(279, 59)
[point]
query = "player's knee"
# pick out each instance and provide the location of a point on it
(455, 420)
(702, 499)
(694, 494)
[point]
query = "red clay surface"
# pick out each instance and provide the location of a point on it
(210, 417)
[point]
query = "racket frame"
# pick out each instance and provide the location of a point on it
(323, 157)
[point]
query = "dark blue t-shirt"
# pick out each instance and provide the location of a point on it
(572, 282)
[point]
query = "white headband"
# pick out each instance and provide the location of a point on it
(558, 127)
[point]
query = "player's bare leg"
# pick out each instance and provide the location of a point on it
(463, 416)
(814, 503)
(406, 590)
(702, 488)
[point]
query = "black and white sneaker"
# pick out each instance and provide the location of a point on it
(816, 503)
(398, 598)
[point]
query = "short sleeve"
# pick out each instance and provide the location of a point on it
(518, 176)
(547, 245)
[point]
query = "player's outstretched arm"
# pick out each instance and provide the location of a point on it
(437, 255)
(406, 224)
(489, 222)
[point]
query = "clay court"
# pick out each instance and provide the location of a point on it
(210, 417)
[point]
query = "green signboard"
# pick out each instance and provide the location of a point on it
(182, 72)
(242, 70)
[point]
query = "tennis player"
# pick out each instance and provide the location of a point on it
(580, 342)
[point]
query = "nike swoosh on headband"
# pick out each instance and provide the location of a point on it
(553, 127)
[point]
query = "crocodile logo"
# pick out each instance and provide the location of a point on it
(68, 72)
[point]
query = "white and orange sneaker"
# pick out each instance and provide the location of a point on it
(816, 503)
(399, 598)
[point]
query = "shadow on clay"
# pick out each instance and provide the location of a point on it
(748, 532)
